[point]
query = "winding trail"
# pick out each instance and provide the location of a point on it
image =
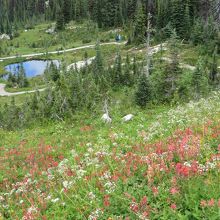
(182, 65)
(4, 93)
(60, 51)
(80, 64)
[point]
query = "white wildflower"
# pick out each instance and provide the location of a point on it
(67, 185)
(91, 195)
(2, 199)
(55, 200)
(95, 215)
(21, 201)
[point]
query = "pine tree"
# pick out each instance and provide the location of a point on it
(140, 25)
(173, 45)
(131, 7)
(54, 72)
(187, 21)
(22, 80)
(67, 11)
(214, 66)
(98, 63)
(173, 70)
(135, 69)
(118, 70)
(177, 16)
(128, 79)
(143, 92)
(200, 83)
(60, 22)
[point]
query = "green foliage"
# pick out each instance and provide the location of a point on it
(206, 34)
(143, 92)
(174, 48)
(63, 160)
(18, 78)
(98, 64)
(139, 169)
(200, 80)
(128, 76)
(67, 11)
(214, 66)
(60, 22)
(117, 71)
(52, 72)
(165, 81)
(140, 25)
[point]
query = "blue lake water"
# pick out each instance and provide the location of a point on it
(32, 68)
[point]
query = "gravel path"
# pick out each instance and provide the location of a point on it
(78, 64)
(4, 93)
(59, 51)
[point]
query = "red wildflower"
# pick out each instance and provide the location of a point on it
(106, 201)
(61, 157)
(134, 207)
(155, 191)
(203, 203)
(145, 214)
(174, 191)
(182, 169)
(173, 206)
(69, 172)
(211, 202)
(143, 201)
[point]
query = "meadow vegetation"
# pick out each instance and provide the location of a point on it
(67, 153)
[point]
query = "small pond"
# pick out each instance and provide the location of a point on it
(32, 67)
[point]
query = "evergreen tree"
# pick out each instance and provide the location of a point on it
(54, 74)
(177, 16)
(214, 66)
(135, 69)
(140, 25)
(200, 83)
(187, 21)
(173, 71)
(128, 79)
(67, 11)
(143, 92)
(98, 63)
(22, 79)
(173, 45)
(60, 22)
(118, 80)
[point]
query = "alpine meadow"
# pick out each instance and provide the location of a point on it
(109, 109)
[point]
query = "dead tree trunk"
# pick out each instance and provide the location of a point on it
(148, 54)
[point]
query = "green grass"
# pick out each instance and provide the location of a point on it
(34, 83)
(26, 89)
(19, 99)
(121, 169)
(147, 168)
(36, 40)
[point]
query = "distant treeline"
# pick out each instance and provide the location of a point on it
(181, 14)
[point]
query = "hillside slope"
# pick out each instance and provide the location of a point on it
(162, 165)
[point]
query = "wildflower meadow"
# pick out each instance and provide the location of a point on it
(167, 168)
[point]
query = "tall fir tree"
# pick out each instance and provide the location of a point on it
(140, 25)
(60, 22)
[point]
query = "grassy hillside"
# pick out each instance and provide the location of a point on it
(67, 151)
(164, 164)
